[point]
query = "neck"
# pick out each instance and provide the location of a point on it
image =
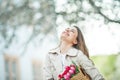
(64, 46)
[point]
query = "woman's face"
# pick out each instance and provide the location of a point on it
(70, 35)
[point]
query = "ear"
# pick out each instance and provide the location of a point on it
(75, 42)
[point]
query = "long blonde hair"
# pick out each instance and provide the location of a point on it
(81, 42)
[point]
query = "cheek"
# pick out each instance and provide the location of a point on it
(73, 38)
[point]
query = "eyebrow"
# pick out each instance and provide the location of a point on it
(71, 29)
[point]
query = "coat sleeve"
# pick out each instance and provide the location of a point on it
(89, 67)
(48, 68)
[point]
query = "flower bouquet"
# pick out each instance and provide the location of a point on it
(73, 72)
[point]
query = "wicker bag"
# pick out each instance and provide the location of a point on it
(82, 75)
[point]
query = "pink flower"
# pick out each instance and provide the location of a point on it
(72, 68)
(59, 76)
(67, 68)
(68, 74)
(72, 65)
(71, 71)
(65, 72)
(66, 77)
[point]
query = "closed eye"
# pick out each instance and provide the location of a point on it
(72, 30)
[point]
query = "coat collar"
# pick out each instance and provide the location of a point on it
(71, 52)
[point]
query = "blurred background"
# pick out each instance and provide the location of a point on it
(30, 28)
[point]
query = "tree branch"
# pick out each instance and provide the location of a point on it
(11, 39)
(33, 36)
(100, 12)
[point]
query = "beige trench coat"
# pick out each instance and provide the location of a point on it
(53, 66)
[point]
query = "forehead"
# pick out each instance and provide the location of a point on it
(73, 28)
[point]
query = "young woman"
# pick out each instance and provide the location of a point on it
(72, 48)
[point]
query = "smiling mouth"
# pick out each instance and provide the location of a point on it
(66, 33)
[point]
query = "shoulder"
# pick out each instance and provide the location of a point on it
(82, 56)
(53, 51)
(80, 53)
(74, 52)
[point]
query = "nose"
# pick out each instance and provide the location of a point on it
(68, 29)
